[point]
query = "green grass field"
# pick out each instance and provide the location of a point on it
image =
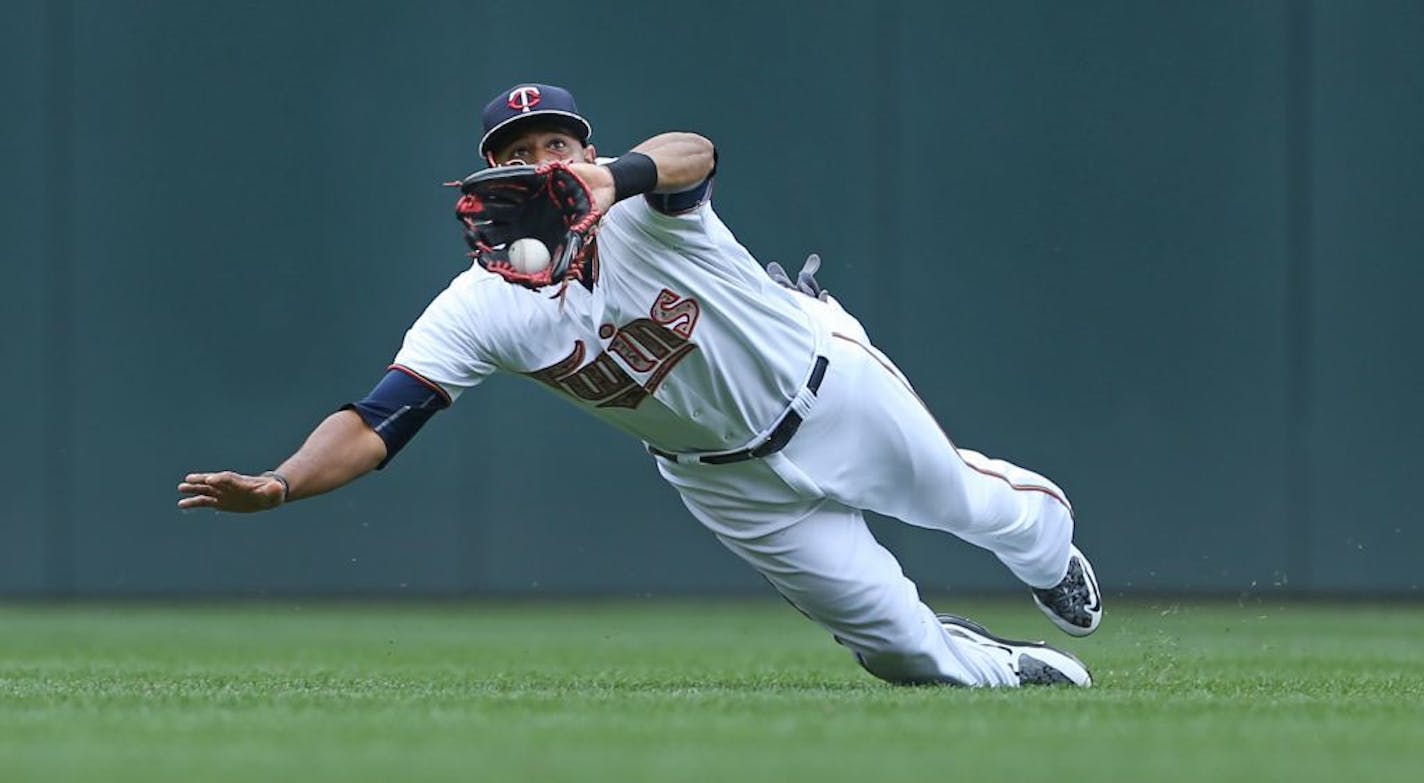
(664, 691)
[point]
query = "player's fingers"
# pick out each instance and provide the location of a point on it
(197, 501)
(196, 478)
(196, 489)
(777, 273)
(224, 480)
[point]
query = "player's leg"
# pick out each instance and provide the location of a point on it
(820, 555)
(904, 466)
(831, 568)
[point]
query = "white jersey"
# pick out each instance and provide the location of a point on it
(684, 341)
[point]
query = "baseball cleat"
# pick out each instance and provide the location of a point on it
(1035, 663)
(1075, 604)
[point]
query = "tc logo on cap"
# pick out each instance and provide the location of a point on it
(524, 98)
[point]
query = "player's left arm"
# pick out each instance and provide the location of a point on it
(674, 162)
(683, 160)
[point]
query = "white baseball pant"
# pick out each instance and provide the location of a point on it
(869, 443)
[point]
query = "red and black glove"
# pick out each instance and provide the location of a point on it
(547, 202)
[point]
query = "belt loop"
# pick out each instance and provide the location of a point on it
(804, 398)
(801, 403)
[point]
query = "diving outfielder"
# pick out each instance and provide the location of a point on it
(763, 402)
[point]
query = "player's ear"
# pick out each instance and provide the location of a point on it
(590, 154)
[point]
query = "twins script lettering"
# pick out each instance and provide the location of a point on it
(648, 346)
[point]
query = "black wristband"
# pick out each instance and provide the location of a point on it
(286, 485)
(633, 174)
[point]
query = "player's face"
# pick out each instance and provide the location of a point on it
(543, 145)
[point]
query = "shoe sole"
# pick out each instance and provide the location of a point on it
(1064, 625)
(1064, 662)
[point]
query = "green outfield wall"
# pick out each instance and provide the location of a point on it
(1166, 253)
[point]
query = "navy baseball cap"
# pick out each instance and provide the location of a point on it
(524, 101)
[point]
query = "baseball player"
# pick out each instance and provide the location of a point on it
(614, 284)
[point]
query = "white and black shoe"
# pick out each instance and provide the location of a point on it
(1035, 663)
(1075, 604)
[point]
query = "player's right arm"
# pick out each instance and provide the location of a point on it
(361, 437)
(340, 450)
(441, 356)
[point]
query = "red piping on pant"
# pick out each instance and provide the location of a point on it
(1019, 487)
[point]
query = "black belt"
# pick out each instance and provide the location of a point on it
(774, 442)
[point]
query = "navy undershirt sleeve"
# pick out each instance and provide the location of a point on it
(678, 203)
(398, 407)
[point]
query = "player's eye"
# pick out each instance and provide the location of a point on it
(557, 144)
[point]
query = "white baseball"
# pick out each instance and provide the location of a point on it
(528, 255)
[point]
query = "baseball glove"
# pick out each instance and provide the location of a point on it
(547, 202)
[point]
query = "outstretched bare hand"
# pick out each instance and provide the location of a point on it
(229, 491)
